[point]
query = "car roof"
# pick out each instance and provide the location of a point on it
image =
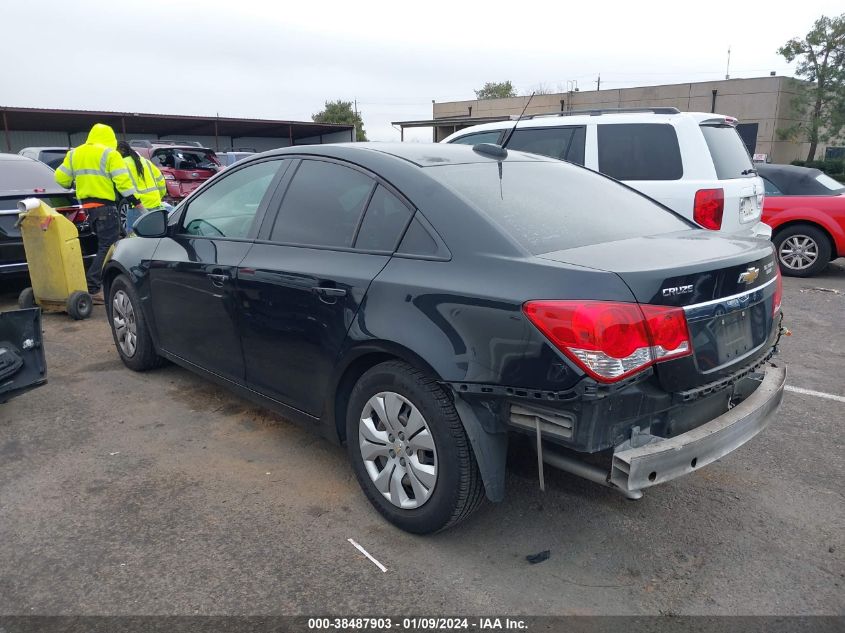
(563, 120)
(46, 149)
(419, 154)
(17, 157)
(793, 180)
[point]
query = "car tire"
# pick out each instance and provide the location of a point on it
(79, 305)
(446, 486)
(26, 299)
(131, 335)
(803, 250)
(122, 211)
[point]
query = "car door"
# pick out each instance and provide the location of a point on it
(305, 278)
(193, 272)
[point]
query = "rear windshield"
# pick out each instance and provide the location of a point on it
(180, 158)
(550, 206)
(832, 186)
(730, 156)
(21, 175)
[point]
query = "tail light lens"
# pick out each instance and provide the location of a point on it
(74, 214)
(709, 207)
(611, 341)
(778, 296)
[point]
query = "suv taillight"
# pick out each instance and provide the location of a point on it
(778, 296)
(708, 208)
(608, 340)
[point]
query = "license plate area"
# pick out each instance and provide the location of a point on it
(748, 209)
(728, 337)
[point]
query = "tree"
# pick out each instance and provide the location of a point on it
(341, 112)
(821, 62)
(496, 90)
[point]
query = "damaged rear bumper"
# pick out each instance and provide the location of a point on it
(661, 459)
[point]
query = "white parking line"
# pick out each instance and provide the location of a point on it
(367, 554)
(817, 394)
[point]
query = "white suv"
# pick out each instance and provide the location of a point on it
(693, 162)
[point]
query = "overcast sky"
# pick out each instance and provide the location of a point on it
(284, 60)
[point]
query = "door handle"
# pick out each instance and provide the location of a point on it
(324, 291)
(217, 280)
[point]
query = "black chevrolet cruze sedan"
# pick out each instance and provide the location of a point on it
(423, 303)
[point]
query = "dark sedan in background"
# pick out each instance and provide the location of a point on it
(20, 178)
(806, 210)
(422, 302)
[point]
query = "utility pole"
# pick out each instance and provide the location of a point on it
(598, 82)
(728, 68)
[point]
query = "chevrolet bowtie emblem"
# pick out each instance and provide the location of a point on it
(749, 276)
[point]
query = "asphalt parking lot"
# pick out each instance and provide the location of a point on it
(159, 493)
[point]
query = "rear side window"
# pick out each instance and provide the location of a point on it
(565, 143)
(383, 223)
(730, 156)
(322, 205)
(771, 189)
(550, 206)
(640, 151)
(479, 137)
(417, 241)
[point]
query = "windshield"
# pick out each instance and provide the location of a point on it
(550, 206)
(52, 157)
(730, 156)
(26, 175)
(182, 158)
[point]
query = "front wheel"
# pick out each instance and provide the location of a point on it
(803, 250)
(129, 327)
(409, 450)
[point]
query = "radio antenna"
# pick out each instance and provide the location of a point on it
(513, 129)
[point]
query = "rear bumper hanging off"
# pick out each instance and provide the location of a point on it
(666, 459)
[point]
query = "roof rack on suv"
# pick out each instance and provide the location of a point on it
(600, 111)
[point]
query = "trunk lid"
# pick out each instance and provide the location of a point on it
(725, 286)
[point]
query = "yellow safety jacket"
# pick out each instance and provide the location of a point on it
(150, 185)
(96, 169)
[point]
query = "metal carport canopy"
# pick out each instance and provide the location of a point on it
(164, 125)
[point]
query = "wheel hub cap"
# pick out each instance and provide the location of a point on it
(799, 252)
(398, 450)
(123, 322)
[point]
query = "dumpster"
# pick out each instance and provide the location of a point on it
(54, 258)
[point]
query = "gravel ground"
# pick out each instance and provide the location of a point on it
(160, 493)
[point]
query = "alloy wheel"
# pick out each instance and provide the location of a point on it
(123, 320)
(798, 252)
(398, 450)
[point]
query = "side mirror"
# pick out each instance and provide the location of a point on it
(151, 224)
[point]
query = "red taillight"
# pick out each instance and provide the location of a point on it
(778, 296)
(74, 214)
(608, 340)
(708, 208)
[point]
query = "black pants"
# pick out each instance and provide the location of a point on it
(106, 224)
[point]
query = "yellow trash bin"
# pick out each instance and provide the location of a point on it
(54, 258)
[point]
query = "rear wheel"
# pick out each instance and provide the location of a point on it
(79, 305)
(129, 327)
(803, 250)
(409, 450)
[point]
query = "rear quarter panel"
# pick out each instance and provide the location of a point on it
(827, 212)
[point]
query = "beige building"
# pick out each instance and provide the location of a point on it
(762, 105)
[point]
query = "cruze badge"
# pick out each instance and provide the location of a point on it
(749, 276)
(677, 290)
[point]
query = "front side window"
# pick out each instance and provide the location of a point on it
(640, 151)
(479, 137)
(228, 207)
(564, 143)
(322, 205)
